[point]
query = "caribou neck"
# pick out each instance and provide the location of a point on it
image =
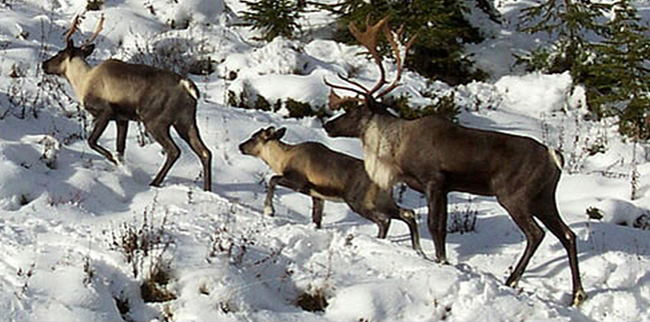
(381, 136)
(76, 73)
(274, 154)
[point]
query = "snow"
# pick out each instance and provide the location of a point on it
(65, 210)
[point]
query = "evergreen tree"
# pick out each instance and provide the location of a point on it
(440, 25)
(618, 79)
(273, 17)
(571, 23)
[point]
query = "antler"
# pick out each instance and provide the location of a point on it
(98, 29)
(368, 39)
(74, 28)
(398, 57)
(71, 31)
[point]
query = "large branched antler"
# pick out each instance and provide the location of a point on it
(75, 26)
(368, 39)
(399, 61)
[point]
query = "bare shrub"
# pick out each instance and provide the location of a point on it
(463, 220)
(181, 55)
(144, 248)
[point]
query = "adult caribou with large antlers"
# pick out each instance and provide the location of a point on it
(435, 157)
(122, 92)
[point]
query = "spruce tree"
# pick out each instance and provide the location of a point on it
(618, 79)
(571, 23)
(273, 17)
(441, 27)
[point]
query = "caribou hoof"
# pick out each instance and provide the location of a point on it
(268, 211)
(579, 297)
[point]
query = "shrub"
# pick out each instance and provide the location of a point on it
(147, 245)
(296, 108)
(444, 107)
(312, 301)
(94, 5)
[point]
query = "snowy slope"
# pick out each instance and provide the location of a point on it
(66, 213)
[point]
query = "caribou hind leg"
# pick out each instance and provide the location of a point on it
(122, 129)
(546, 211)
(190, 134)
(437, 219)
(161, 134)
(534, 234)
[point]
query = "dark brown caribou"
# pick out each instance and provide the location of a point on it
(122, 92)
(435, 156)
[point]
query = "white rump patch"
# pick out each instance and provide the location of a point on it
(555, 158)
(190, 88)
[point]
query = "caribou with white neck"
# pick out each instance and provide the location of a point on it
(435, 156)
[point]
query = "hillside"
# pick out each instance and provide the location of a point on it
(79, 235)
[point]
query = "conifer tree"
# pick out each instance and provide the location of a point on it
(618, 79)
(571, 23)
(441, 27)
(273, 17)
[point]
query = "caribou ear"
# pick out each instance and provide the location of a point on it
(279, 133)
(86, 50)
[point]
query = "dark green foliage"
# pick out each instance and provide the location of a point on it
(296, 109)
(262, 104)
(571, 23)
(594, 213)
(444, 107)
(618, 79)
(240, 100)
(441, 28)
(299, 109)
(94, 5)
(273, 17)
(613, 70)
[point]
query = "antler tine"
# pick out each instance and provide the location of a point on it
(72, 29)
(345, 88)
(398, 57)
(355, 83)
(368, 39)
(98, 29)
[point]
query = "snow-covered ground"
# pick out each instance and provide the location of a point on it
(69, 218)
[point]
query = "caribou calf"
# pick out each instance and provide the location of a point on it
(435, 157)
(122, 92)
(313, 169)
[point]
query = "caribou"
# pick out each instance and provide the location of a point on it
(313, 169)
(122, 92)
(435, 156)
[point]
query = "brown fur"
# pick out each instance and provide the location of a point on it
(313, 169)
(435, 157)
(122, 92)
